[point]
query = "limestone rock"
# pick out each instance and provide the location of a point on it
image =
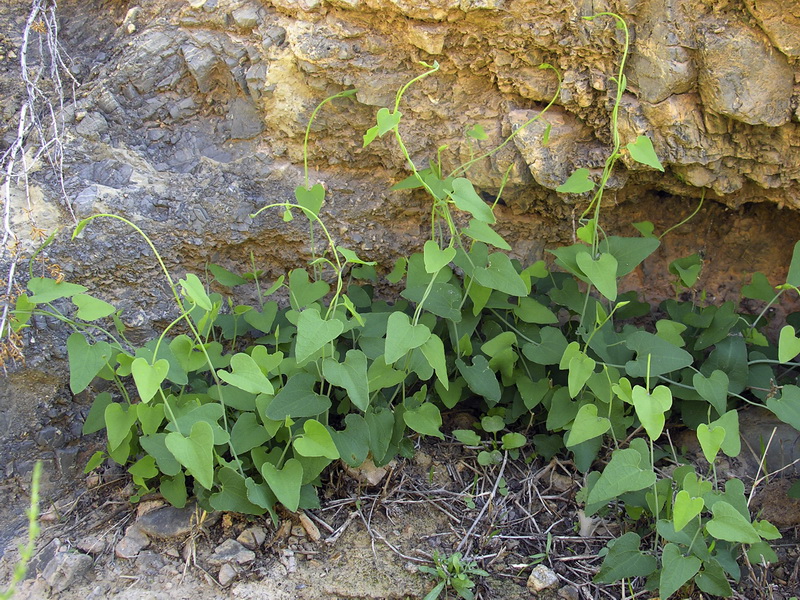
(252, 537)
(742, 76)
(541, 578)
(132, 543)
(780, 21)
(66, 569)
(227, 573)
(661, 62)
(231, 551)
(569, 146)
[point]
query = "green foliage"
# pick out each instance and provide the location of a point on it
(27, 550)
(455, 572)
(244, 407)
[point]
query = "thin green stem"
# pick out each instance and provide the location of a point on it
(179, 302)
(689, 218)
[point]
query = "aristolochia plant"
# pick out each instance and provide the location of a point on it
(243, 407)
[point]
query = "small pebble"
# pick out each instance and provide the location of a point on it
(541, 578)
(226, 575)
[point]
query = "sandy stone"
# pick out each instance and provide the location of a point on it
(541, 578)
(231, 551)
(226, 575)
(252, 537)
(66, 569)
(743, 76)
(134, 542)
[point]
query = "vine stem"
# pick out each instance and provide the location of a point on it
(185, 315)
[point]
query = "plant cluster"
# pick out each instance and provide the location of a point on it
(243, 407)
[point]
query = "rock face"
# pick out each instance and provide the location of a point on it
(191, 114)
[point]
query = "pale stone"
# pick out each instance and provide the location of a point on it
(541, 578)
(742, 76)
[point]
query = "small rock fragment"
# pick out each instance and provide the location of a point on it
(226, 575)
(231, 551)
(134, 542)
(288, 560)
(91, 544)
(368, 472)
(569, 592)
(252, 537)
(298, 531)
(168, 522)
(65, 569)
(541, 578)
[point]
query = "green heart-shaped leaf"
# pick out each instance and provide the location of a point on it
(480, 378)
(85, 361)
(710, 440)
(437, 258)
(285, 483)
(44, 289)
(95, 420)
(577, 183)
(654, 355)
(297, 399)
(193, 289)
(482, 232)
(155, 445)
(467, 199)
(624, 473)
(187, 354)
(787, 407)
(732, 444)
(713, 389)
(477, 132)
(316, 440)
(650, 408)
(642, 151)
(425, 419)
(195, 453)
(387, 121)
(401, 336)
(148, 378)
(581, 368)
(232, 495)
(676, 569)
(353, 442)
(730, 525)
(119, 420)
(247, 433)
(174, 490)
(150, 416)
(91, 308)
(602, 273)
(303, 292)
(625, 559)
(587, 426)
(788, 344)
(313, 333)
(310, 199)
(501, 275)
(685, 509)
(350, 375)
(434, 353)
(226, 277)
(263, 319)
(246, 375)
